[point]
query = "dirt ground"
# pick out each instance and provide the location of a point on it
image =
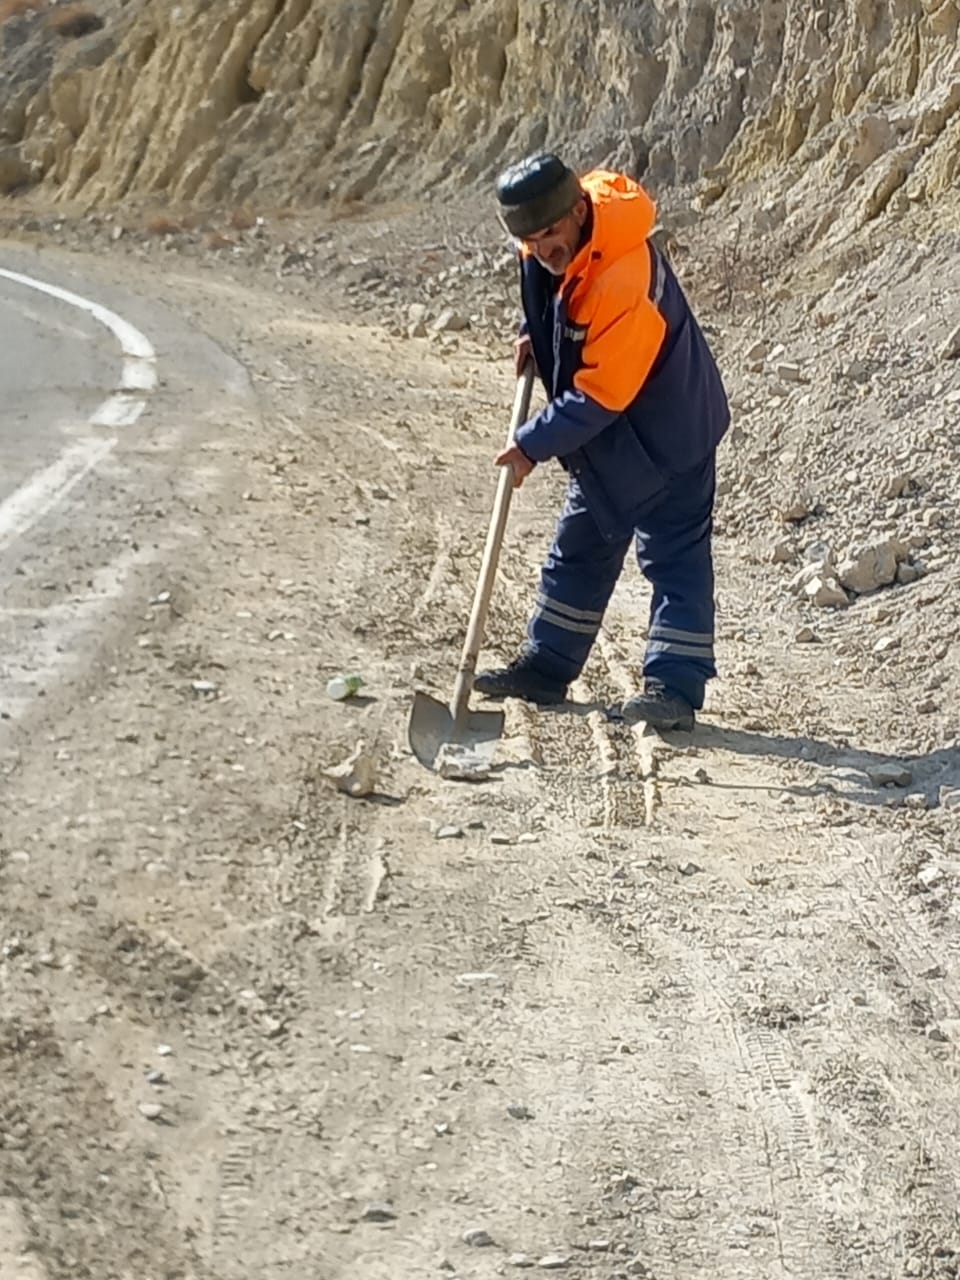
(631, 1008)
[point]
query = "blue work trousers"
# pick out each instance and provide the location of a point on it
(674, 551)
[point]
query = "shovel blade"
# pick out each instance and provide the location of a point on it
(432, 727)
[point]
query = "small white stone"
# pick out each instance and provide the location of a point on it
(825, 593)
(477, 1238)
(798, 583)
(929, 876)
(379, 1211)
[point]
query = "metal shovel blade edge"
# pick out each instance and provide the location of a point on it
(431, 726)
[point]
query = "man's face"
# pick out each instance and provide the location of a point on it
(555, 247)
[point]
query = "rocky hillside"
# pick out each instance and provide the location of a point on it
(840, 110)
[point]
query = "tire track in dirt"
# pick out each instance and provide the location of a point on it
(886, 915)
(922, 983)
(779, 1169)
(235, 1195)
(763, 1214)
(814, 1186)
(741, 1059)
(729, 1175)
(759, 1055)
(784, 1112)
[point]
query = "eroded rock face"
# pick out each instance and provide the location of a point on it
(839, 110)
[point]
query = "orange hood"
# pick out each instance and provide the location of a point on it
(623, 217)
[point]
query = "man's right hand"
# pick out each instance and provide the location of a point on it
(523, 350)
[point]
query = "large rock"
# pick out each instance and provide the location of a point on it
(871, 568)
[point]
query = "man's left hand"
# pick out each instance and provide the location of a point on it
(515, 458)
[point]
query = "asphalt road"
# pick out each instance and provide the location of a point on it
(105, 397)
(57, 364)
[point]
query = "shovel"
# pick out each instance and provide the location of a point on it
(451, 738)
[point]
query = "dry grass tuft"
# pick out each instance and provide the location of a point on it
(243, 220)
(163, 226)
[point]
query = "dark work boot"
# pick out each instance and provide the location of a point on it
(520, 679)
(660, 708)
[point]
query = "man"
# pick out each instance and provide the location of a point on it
(637, 410)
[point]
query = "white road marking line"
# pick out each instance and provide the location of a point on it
(47, 488)
(132, 341)
(119, 411)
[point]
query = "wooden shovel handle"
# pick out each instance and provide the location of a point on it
(491, 555)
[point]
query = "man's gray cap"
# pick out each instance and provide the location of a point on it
(535, 193)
